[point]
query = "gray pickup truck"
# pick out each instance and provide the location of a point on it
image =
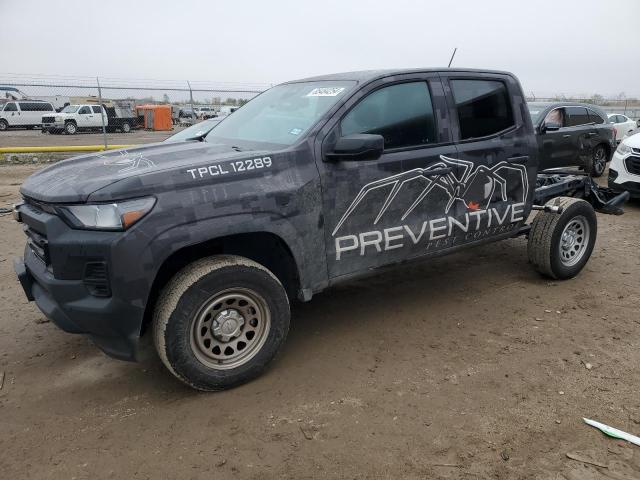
(203, 244)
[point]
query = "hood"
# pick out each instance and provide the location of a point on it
(73, 180)
(633, 140)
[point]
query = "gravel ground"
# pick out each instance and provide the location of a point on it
(467, 367)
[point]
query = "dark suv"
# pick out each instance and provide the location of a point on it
(573, 134)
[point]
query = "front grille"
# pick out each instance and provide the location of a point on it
(633, 165)
(48, 119)
(96, 279)
(38, 244)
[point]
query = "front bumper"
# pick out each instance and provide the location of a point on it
(53, 273)
(620, 178)
(53, 126)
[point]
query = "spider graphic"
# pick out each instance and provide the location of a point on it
(474, 187)
(129, 161)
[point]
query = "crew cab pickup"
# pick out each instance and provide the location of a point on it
(75, 118)
(203, 244)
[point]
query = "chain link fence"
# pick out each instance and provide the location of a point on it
(58, 111)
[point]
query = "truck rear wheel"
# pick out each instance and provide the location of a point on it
(3, 125)
(220, 321)
(560, 244)
(126, 128)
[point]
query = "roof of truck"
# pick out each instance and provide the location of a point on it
(368, 75)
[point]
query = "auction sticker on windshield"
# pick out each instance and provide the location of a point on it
(325, 92)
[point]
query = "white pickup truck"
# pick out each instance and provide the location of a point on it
(75, 118)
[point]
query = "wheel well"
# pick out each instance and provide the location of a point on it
(265, 248)
(607, 149)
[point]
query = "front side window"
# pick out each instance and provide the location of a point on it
(282, 114)
(555, 117)
(402, 114)
(84, 110)
(577, 116)
(11, 107)
(594, 117)
(484, 107)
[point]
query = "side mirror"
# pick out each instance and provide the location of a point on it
(550, 127)
(360, 146)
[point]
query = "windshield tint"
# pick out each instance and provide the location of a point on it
(282, 114)
(70, 109)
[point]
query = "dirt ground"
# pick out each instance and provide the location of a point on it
(471, 366)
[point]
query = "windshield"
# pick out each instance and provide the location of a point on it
(535, 111)
(282, 114)
(70, 109)
(194, 131)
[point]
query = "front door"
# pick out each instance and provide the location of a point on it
(85, 117)
(557, 147)
(384, 211)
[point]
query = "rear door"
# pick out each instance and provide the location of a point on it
(22, 116)
(583, 134)
(496, 151)
(97, 113)
(378, 212)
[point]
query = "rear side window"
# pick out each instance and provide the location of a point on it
(84, 110)
(34, 107)
(484, 107)
(96, 109)
(595, 117)
(576, 116)
(11, 107)
(402, 114)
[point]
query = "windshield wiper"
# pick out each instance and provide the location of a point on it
(236, 148)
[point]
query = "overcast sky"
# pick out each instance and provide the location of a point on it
(555, 47)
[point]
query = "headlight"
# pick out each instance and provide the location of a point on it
(107, 216)
(623, 149)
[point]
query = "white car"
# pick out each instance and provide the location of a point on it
(74, 118)
(624, 169)
(23, 114)
(622, 124)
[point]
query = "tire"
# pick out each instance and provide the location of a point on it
(598, 161)
(206, 353)
(70, 128)
(3, 125)
(125, 127)
(560, 244)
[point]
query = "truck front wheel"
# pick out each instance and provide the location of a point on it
(126, 128)
(560, 244)
(220, 321)
(70, 128)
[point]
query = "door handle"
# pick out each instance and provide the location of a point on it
(591, 134)
(439, 171)
(566, 136)
(518, 159)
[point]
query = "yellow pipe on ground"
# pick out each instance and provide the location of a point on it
(57, 148)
